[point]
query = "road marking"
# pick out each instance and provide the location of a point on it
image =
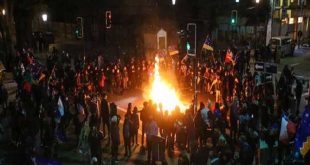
(296, 64)
(305, 94)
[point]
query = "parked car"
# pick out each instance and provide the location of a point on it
(281, 44)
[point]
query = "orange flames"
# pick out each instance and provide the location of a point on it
(164, 93)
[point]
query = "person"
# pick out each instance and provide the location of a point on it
(129, 107)
(246, 152)
(190, 125)
(102, 80)
(144, 119)
(234, 118)
(125, 78)
(298, 92)
(135, 126)
(105, 114)
(206, 122)
(127, 131)
(115, 139)
(95, 144)
(151, 131)
(216, 83)
(199, 123)
(48, 138)
(218, 122)
(93, 109)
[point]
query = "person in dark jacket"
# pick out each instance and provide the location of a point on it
(234, 119)
(144, 118)
(135, 126)
(105, 115)
(246, 152)
(127, 134)
(115, 137)
(298, 92)
(95, 144)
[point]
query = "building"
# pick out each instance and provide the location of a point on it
(290, 17)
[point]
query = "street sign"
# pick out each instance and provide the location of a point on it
(271, 68)
(259, 67)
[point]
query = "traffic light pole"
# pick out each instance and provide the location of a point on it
(191, 51)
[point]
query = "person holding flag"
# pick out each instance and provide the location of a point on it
(229, 57)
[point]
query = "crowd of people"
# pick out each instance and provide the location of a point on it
(226, 128)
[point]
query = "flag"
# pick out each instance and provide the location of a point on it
(302, 139)
(283, 130)
(287, 130)
(42, 77)
(208, 44)
(229, 57)
(60, 108)
(173, 50)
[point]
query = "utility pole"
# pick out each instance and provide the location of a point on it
(191, 51)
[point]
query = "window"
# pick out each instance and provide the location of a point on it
(302, 2)
(277, 3)
(291, 21)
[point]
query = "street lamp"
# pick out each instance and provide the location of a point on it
(257, 1)
(237, 1)
(173, 2)
(3, 12)
(44, 17)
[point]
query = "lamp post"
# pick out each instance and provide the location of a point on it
(44, 17)
(45, 27)
(173, 2)
(256, 22)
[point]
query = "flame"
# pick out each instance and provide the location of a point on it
(164, 93)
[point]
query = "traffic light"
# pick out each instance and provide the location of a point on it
(79, 30)
(234, 17)
(191, 39)
(108, 19)
(188, 46)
